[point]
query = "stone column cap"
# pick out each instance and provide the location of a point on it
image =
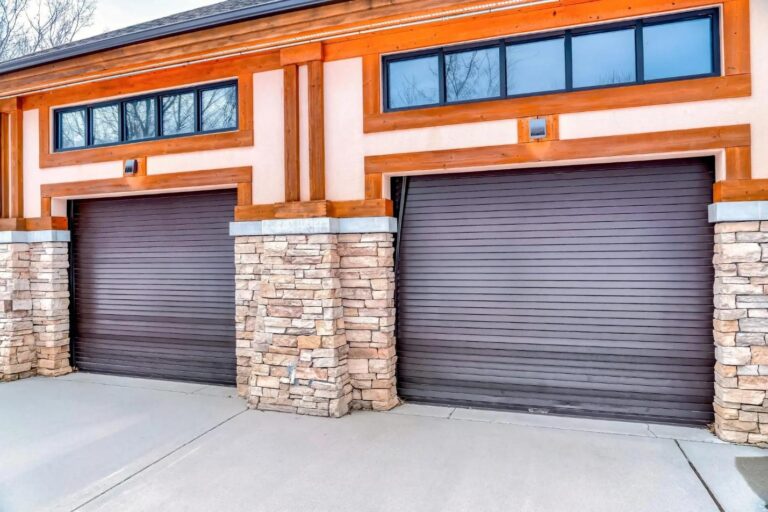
(315, 226)
(738, 211)
(29, 237)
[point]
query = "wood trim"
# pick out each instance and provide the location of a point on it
(374, 186)
(365, 208)
(157, 80)
(316, 131)
(232, 176)
(16, 165)
(301, 54)
(735, 86)
(243, 137)
(14, 224)
(738, 163)
(46, 206)
(524, 132)
(244, 193)
(736, 37)
(741, 190)
(291, 111)
(5, 162)
(698, 139)
(46, 224)
(314, 209)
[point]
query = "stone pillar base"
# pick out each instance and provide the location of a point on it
(34, 306)
(741, 332)
(315, 321)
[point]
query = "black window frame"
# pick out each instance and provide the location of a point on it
(159, 135)
(567, 35)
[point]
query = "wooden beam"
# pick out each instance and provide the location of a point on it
(177, 180)
(291, 108)
(721, 87)
(738, 163)
(16, 166)
(713, 138)
(373, 186)
(741, 190)
(5, 162)
(301, 54)
(316, 131)
(314, 209)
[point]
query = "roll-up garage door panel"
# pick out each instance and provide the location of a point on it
(154, 286)
(581, 290)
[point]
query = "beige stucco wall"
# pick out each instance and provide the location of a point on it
(347, 145)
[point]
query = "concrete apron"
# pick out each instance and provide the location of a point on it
(87, 442)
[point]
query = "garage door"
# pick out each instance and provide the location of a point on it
(583, 291)
(154, 286)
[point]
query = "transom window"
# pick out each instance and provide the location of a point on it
(675, 47)
(206, 109)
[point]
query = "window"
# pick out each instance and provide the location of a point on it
(204, 109)
(140, 119)
(414, 82)
(536, 66)
(71, 129)
(672, 47)
(472, 75)
(680, 48)
(219, 108)
(106, 124)
(604, 58)
(179, 113)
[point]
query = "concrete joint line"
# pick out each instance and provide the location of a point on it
(160, 459)
(701, 479)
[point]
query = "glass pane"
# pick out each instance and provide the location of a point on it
(219, 108)
(682, 48)
(140, 117)
(538, 66)
(605, 58)
(106, 124)
(72, 129)
(414, 82)
(472, 75)
(179, 114)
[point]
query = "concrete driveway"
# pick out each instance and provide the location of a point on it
(94, 443)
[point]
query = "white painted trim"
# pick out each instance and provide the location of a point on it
(30, 237)
(316, 226)
(738, 211)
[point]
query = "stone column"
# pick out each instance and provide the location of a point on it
(316, 314)
(299, 344)
(368, 288)
(49, 280)
(741, 331)
(17, 341)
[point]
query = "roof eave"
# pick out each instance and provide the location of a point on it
(257, 11)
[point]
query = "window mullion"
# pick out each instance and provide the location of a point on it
(503, 69)
(441, 77)
(568, 61)
(639, 53)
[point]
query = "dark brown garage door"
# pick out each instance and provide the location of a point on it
(583, 291)
(154, 290)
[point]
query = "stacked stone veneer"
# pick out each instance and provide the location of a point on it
(34, 321)
(741, 330)
(315, 322)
